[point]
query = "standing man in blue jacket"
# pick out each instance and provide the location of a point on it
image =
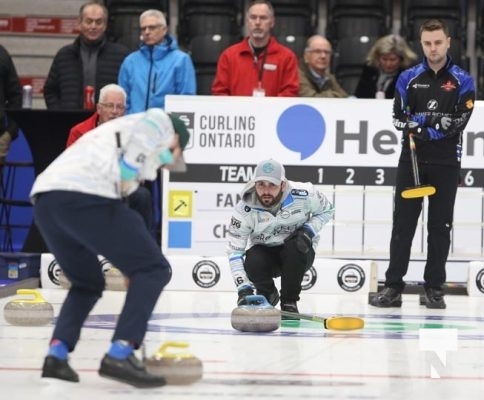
(158, 68)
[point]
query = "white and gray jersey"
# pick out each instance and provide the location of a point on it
(91, 165)
(252, 224)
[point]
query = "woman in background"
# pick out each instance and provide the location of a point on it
(389, 56)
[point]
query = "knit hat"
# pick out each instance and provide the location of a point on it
(181, 129)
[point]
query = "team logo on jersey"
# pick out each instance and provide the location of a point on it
(432, 105)
(299, 192)
(420, 86)
(235, 222)
(285, 214)
(448, 86)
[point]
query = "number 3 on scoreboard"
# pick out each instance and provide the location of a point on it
(380, 176)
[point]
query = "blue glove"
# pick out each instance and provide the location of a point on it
(245, 290)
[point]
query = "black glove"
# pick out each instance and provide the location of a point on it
(418, 133)
(244, 291)
(439, 122)
(303, 238)
(421, 134)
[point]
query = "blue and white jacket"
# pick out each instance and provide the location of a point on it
(152, 72)
(253, 224)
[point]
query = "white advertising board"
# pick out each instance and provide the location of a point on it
(347, 147)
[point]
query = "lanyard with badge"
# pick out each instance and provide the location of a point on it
(259, 91)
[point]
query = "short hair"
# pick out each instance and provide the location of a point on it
(434, 24)
(311, 39)
(266, 2)
(391, 44)
(112, 87)
(153, 13)
(94, 3)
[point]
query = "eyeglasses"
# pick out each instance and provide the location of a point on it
(112, 107)
(319, 52)
(150, 28)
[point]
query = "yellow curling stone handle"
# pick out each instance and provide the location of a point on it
(37, 297)
(164, 351)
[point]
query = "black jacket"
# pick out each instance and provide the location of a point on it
(425, 97)
(64, 88)
(366, 88)
(10, 92)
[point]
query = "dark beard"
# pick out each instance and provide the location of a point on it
(275, 200)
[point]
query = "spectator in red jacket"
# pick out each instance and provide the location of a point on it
(258, 65)
(112, 104)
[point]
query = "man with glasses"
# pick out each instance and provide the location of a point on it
(157, 68)
(111, 105)
(90, 61)
(315, 78)
(258, 65)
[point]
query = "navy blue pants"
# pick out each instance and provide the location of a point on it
(77, 228)
(141, 201)
(439, 224)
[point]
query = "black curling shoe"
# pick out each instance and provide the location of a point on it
(434, 298)
(386, 298)
(289, 306)
(130, 371)
(59, 369)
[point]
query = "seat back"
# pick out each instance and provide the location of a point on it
(347, 18)
(349, 58)
(198, 18)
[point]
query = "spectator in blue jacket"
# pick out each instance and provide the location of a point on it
(158, 68)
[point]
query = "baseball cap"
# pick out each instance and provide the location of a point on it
(269, 170)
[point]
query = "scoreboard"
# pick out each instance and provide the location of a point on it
(348, 148)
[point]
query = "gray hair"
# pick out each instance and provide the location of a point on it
(391, 44)
(153, 13)
(112, 87)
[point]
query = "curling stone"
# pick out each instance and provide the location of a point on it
(256, 316)
(115, 280)
(33, 311)
(176, 367)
